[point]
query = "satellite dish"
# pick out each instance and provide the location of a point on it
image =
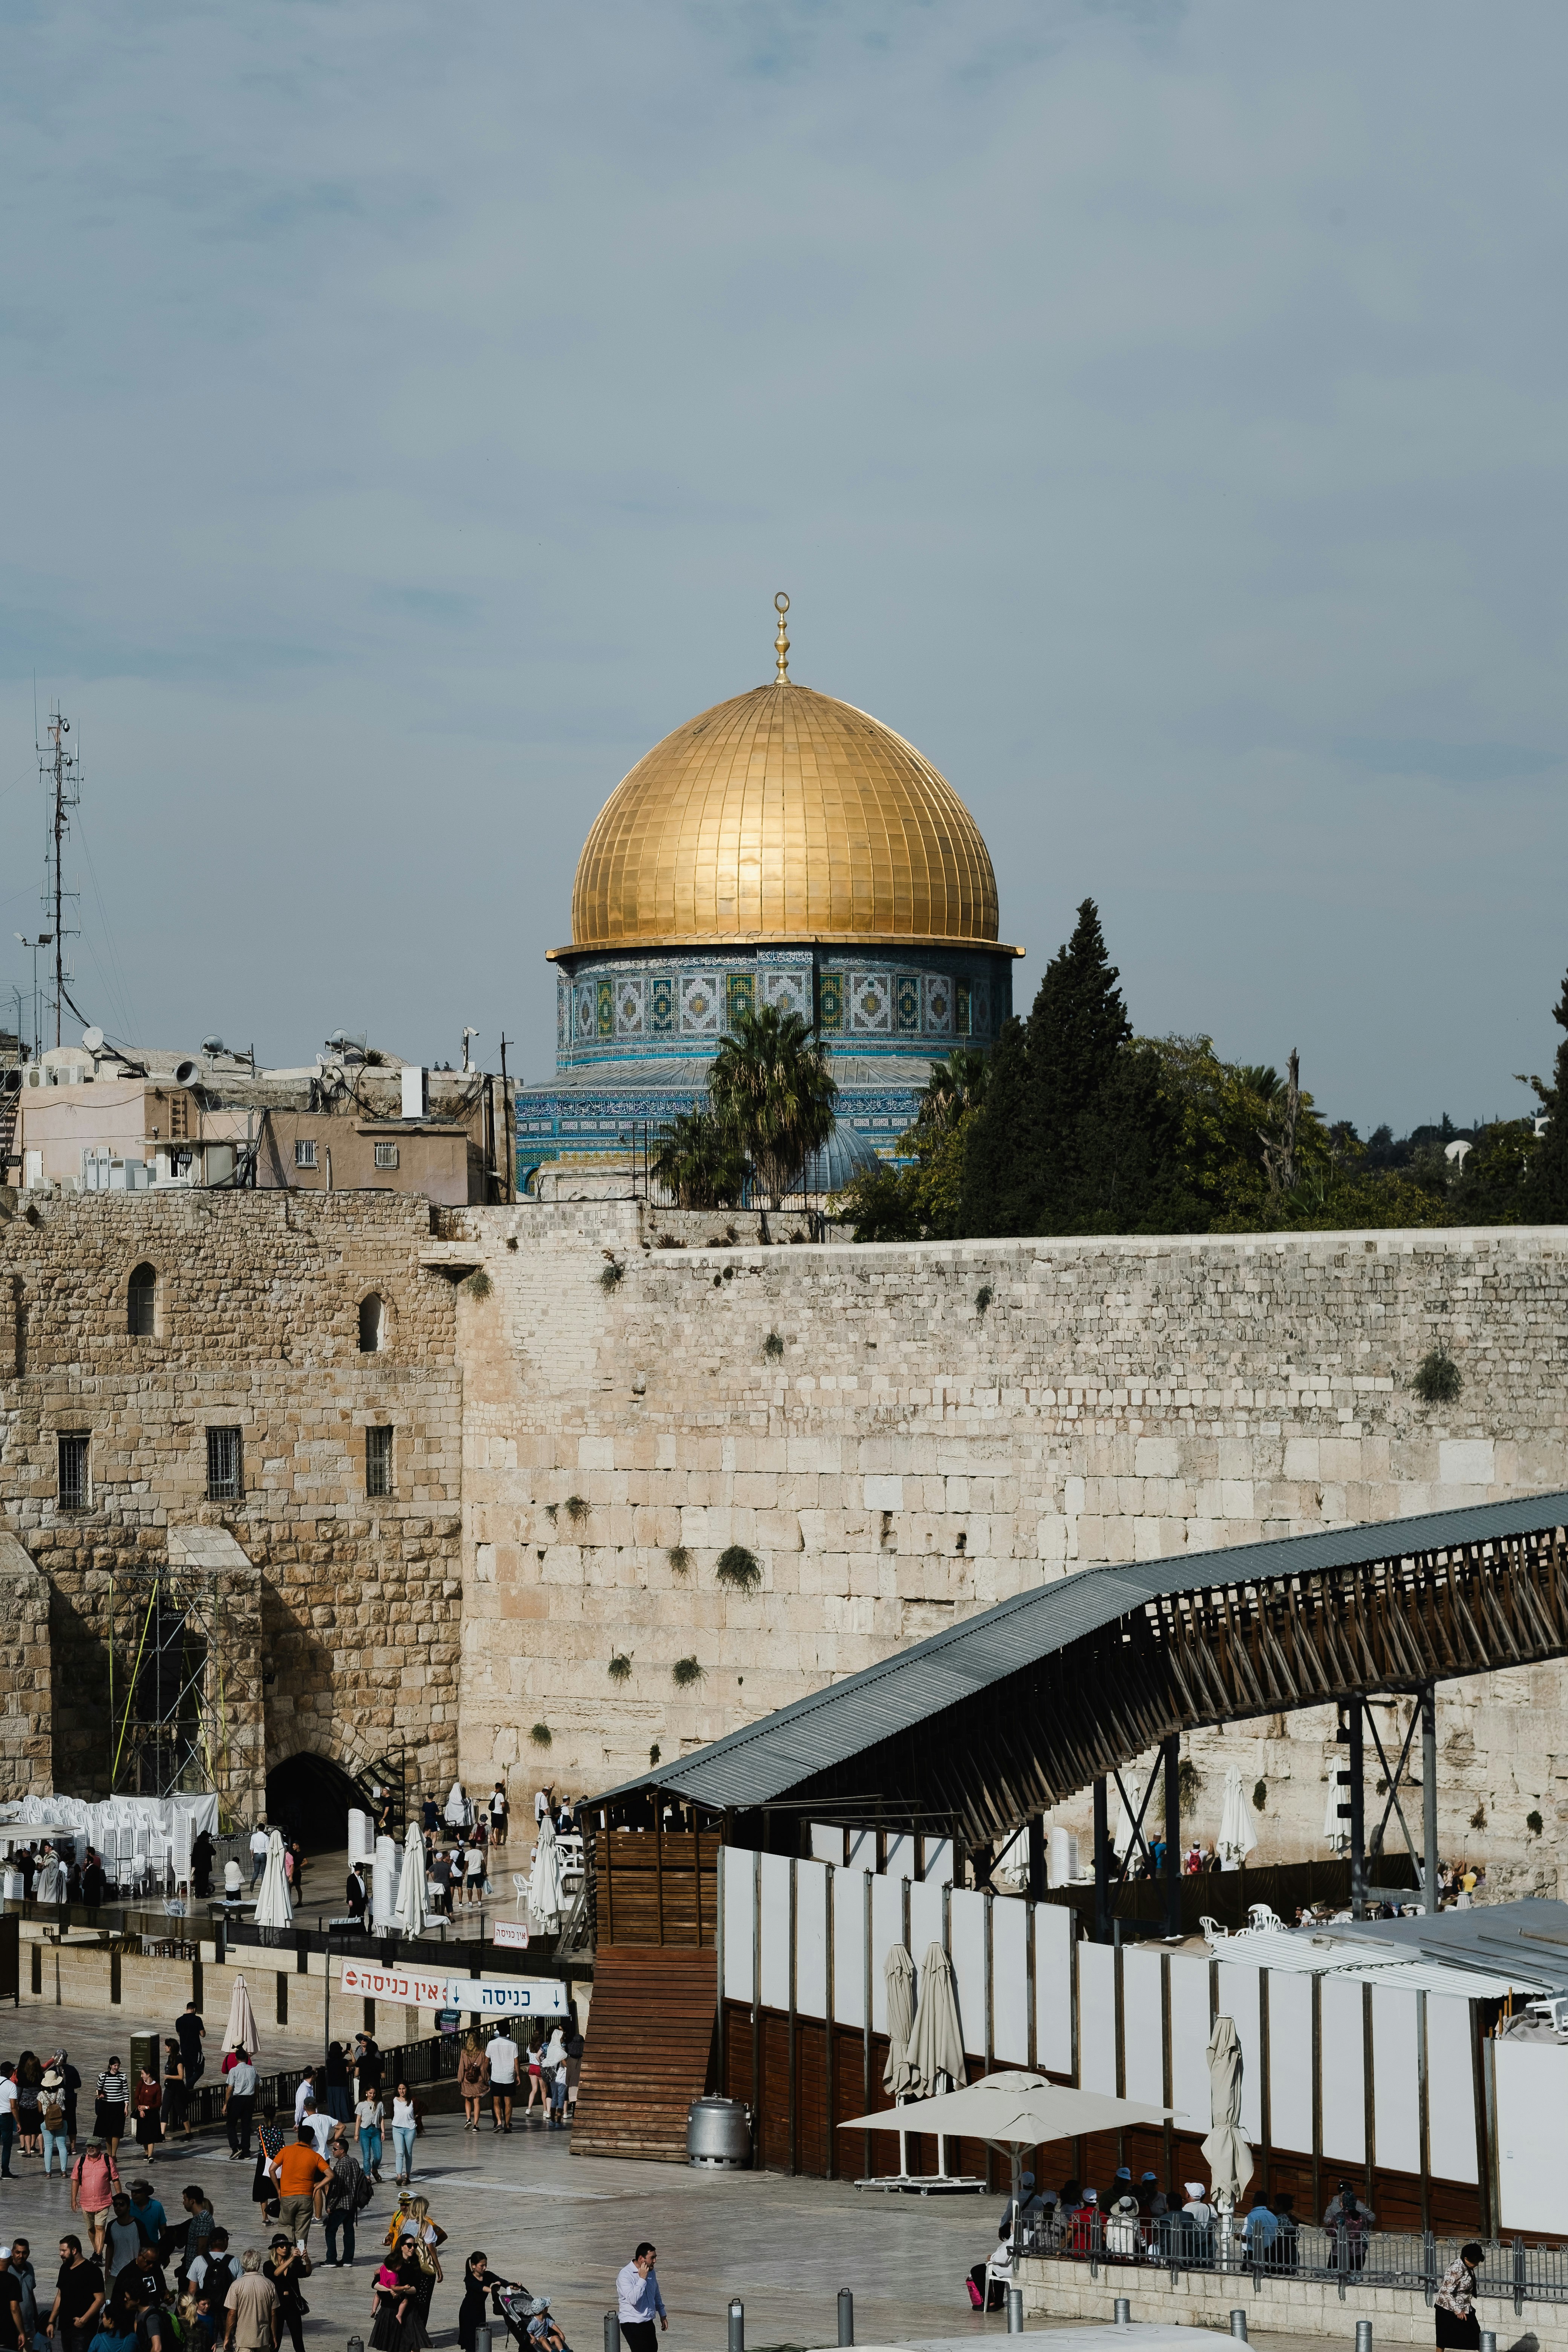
(94, 1040)
(213, 1046)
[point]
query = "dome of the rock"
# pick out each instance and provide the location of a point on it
(782, 814)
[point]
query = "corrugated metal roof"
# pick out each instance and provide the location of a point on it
(1304, 1955)
(768, 1758)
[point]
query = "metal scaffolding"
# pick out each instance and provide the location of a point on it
(167, 1717)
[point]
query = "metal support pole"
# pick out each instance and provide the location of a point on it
(737, 2342)
(1014, 2311)
(846, 2316)
(1102, 1862)
(1432, 1868)
(612, 2332)
(1173, 1836)
(1036, 1858)
(1358, 1808)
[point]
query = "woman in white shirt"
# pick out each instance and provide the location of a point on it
(405, 2123)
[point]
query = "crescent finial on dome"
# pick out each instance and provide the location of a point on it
(780, 642)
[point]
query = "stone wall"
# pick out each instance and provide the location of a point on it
(946, 1424)
(256, 1327)
(949, 1424)
(24, 1673)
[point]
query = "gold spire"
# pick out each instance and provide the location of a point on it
(780, 642)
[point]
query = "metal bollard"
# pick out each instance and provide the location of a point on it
(846, 2316)
(1364, 2335)
(482, 2337)
(1488, 2339)
(1014, 2311)
(1238, 2325)
(1121, 2313)
(612, 2332)
(737, 2324)
(356, 2344)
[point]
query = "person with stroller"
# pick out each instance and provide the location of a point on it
(481, 2296)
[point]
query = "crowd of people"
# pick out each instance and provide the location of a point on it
(135, 2277)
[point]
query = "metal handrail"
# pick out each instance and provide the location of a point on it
(1382, 2258)
(418, 2064)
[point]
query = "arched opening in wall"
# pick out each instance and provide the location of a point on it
(371, 1323)
(310, 1797)
(142, 1302)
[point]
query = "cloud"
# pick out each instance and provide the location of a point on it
(1151, 410)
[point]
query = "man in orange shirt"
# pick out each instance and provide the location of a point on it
(299, 2171)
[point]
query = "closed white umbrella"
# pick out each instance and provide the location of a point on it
(1238, 1830)
(413, 1911)
(899, 2075)
(544, 1898)
(936, 2038)
(1225, 2151)
(273, 1907)
(384, 1883)
(240, 2032)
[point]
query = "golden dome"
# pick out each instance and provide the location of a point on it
(782, 814)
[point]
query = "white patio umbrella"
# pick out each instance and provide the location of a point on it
(544, 1901)
(1238, 1830)
(1225, 2151)
(384, 1883)
(241, 2033)
(899, 2075)
(273, 1906)
(413, 1911)
(1012, 2111)
(936, 2039)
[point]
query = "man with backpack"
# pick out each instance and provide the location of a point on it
(346, 2192)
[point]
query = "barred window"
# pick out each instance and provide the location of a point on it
(75, 1490)
(304, 1152)
(378, 1462)
(142, 1299)
(386, 1155)
(223, 1466)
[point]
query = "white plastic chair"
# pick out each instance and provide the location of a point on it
(1264, 1917)
(1213, 1933)
(521, 1880)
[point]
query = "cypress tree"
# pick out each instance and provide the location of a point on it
(1075, 1136)
(1546, 1187)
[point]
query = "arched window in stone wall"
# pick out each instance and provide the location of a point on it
(142, 1302)
(371, 1323)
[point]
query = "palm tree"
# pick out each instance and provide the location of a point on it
(955, 1086)
(773, 1089)
(700, 1163)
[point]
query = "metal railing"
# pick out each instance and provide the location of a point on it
(418, 2064)
(1381, 2258)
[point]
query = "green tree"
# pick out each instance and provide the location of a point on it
(1546, 1187)
(920, 1201)
(1077, 1134)
(700, 1161)
(772, 1091)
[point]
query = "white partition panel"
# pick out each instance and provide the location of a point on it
(1054, 1927)
(967, 1935)
(1189, 2041)
(925, 1919)
(1097, 2017)
(1396, 2084)
(1532, 2133)
(849, 1947)
(901, 1857)
(1344, 2113)
(939, 1860)
(811, 1938)
(1290, 2061)
(1450, 2089)
(1010, 1979)
(826, 1842)
(887, 1929)
(1143, 2025)
(740, 1882)
(1239, 1998)
(775, 1930)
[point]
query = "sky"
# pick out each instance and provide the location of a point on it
(1154, 412)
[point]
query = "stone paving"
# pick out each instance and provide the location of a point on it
(564, 2226)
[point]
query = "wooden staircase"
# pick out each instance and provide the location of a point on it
(648, 2049)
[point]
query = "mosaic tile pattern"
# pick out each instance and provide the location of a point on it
(700, 1000)
(661, 1005)
(628, 1008)
(790, 990)
(870, 1001)
(742, 994)
(936, 993)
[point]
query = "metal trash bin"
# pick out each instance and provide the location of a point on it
(719, 2133)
